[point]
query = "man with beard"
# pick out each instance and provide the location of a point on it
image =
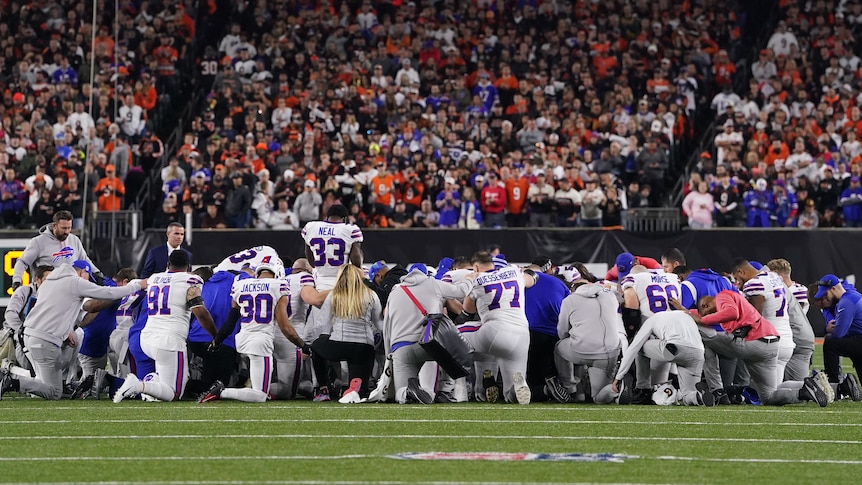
(55, 245)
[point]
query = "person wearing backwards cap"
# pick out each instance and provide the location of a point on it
(383, 278)
(51, 324)
(624, 264)
(843, 334)
(851, 203)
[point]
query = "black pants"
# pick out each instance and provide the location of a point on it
(359, 358)
(540, 363)
(215, 366)
(835, 348)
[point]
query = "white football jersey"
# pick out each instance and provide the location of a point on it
(653, 291)
(256, 299)
(330, 244)
(249, 257)
(126, 310)
(771, 287)
(297, 309)
(168, 310)
(499, 296)
(456, 276)
(801, 293)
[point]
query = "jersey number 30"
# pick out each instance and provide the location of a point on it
(258, 309)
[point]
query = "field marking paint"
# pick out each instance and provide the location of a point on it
(479, 421)
(314, 482)
(757, 460)
(457, 408)
(425, 436)
(181, 458)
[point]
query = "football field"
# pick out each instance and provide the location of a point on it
(304, 442)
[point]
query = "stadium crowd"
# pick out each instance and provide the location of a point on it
(69, 120)
(497, 114)
(256, 327)
(787, 153)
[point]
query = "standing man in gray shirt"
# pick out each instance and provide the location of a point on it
(54, 246)
(52, 322)
(307, 204)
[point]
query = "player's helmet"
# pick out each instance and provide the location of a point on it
(570, 273)
(276, 269)
(665, 395)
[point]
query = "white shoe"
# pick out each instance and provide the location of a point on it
(6, 366)
(351, 397)
(130, 388)
(822, 381)
(522, 390)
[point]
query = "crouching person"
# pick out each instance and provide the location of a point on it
(403, 326)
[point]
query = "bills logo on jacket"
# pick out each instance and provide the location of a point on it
(66, 253)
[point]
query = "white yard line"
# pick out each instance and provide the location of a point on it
(479, 421)
(424, 436)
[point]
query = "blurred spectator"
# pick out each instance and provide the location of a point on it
(13, 194)
(808, 218)
(282, 218)
(110, 191)
(698, 206)
(591, 200)
(307, 204)
(611, 209)
(851, 203)
(493, 202)
(426, 216)
(568, 204)
(541, 197)
(471, 211)
(237, 207)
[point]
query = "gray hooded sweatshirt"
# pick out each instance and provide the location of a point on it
(60, 299)
(46, 249)
(402, 320)
(590, 318)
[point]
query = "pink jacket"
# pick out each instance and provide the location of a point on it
(698, 207)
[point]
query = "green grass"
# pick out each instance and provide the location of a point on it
(304, 442)
(97, 441)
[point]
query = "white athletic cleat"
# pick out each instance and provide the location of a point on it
(351, 395)
(130, 388)
(522, 390)
(822, 382)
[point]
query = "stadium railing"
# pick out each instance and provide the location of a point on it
(652, 220)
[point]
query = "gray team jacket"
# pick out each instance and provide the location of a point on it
(46, 249)
(60, 299)
(402, 321)
(17, 304)
(590, 318)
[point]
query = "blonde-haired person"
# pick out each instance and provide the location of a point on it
(354, 315)
(796, 297)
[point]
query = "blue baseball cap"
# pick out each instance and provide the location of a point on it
(375, 268)
(625, 263)
(418, 267)
(84, 265)
(825, 284)
(444, 266)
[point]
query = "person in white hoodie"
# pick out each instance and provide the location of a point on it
(402, 327)
(698, 206)
(52, 322)
(591, 333)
